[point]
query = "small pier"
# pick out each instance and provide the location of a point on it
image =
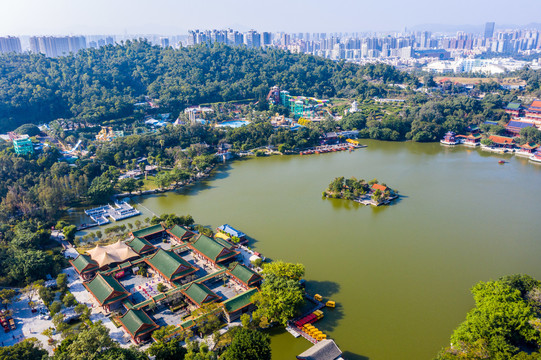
(367, 200)
(295, 330)
(292, 331)
(87, 226)
(121, 210)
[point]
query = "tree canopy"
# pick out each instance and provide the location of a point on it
(28, 349)
(281, 295)
(504, 324)
(249, 344)
(101, 84)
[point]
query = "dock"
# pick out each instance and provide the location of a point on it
(121, 210)
(294, 329)
(367, 200)
(87, 226)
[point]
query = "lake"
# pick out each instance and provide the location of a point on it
(401, 275)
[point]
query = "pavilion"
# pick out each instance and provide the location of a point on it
(170, 266)
(107, 291)
(138, 324)
(85, 266)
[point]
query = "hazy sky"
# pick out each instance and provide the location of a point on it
(27, 17)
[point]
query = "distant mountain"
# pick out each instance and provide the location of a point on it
(447, 28)
(475, 29)
(533, 26)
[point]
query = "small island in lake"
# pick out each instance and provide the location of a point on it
(361, 191)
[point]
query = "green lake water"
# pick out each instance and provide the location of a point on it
(400, 274)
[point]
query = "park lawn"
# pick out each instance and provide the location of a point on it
(149, 183)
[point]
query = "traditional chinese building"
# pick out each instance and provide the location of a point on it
(449, 139)
(244, 276)
(170, 266)
(379, 187)
(239, 304)
(533, 113)
(85, 266)
(141, 246)
(200, 294)
(212, 251)
(155, 232)
(107, 291)
(514, 126)
(180, 234)
(138, 324)
(473, 139)
(529, 148)
(502, 141)
(514, 109)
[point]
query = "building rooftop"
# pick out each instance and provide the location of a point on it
(323, 350)
(200, 294)
(379, 187)
(513, 106)
(212, 249)
(180, 232)
(148, 230)
(240, 301)
(231, 231)
(530, 146)
(501, 139)
(518, 124)
(170, 265)
(137, 322)
(106, 289)
(114, 253)
(140, 245)
(536, 105)
(244, 274)
(84, 263)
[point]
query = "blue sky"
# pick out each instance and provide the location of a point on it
(20, 17)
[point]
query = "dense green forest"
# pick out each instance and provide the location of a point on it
(100, 84)
(505, 323)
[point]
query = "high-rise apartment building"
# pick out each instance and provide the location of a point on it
(57, 46)
(10, 44)
(252, 39)
(267, 39)
(489, 30)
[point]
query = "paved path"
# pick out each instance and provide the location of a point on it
(83, 297)
(28, 324)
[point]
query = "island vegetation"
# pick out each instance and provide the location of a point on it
(505, 323)
(368, 193)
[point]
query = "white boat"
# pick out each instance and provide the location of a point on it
(536, 157)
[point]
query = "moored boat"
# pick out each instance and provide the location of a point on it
(536, 157)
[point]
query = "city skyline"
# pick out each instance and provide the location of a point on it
(65, 17)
